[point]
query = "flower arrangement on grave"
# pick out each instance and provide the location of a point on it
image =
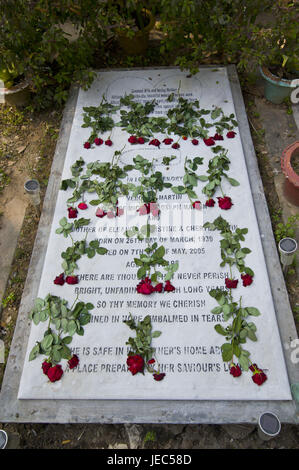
(240, 329)
(74, 252)
(141, 353)
(148, 262)
(218, 166)
(63, 323)
(99, 118)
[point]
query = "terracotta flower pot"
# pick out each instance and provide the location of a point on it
(138, 43)
(291, 185)
(18, 95)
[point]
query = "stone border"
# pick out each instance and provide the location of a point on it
(148, 411)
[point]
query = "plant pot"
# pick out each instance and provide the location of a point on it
(291, 184)
(138, 43)
(18, 95)
(275, 88)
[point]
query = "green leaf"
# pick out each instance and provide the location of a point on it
(227, 352)
(253, 311)
(34, 352)
(156, 334)
(220, 330)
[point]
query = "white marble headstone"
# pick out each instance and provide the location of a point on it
(189, 348)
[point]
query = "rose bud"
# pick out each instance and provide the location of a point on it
(140, 140)
(98, 141)
(108, 142)
(175, 146)
(209, 142)
(59, 280)
(87, 145)
(71, 279)
(194, 141)
(168, 287)
(225, 203)
(167, 141)
(218, 137)
(73, 362)
(82, 206)
(231, 283)
(158, 377)
(247, 279)
(184, 137)
(159, 287)
(210, 203)
(155, 142)
(132, 139)
(151, 361)
(135, 364)
(100, 213)
(46, 366)
(196, 205)
(72, 212)
(235, 370)
(231, 134)
(55, 373)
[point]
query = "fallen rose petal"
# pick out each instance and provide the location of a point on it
(159, 377)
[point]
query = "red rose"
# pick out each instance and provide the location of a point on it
(210, 141)
(231, 134)
(108, 142)
(59, 280)
(218, 137)
(154, 209)
(235, 371)
(151, 361)
(87, 145)
(46, 366)
(247, 279)
(72, 212)
(169, 287)
(98, 141)
(145, 209)
(158, 377)
(184, 137)
(175, 146)
(155, 142)
(100, 213)
(231, 283)
(71, 279)
(135, 364)
(258, 376)
(82, 206)
(159, 287)
(73, 362)
(145, 287)
(140, 140)
(210, 203)
(196, 205)
(55, 373)
(194, 141)
(132, 139)
(224, 203)
(167, 141)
